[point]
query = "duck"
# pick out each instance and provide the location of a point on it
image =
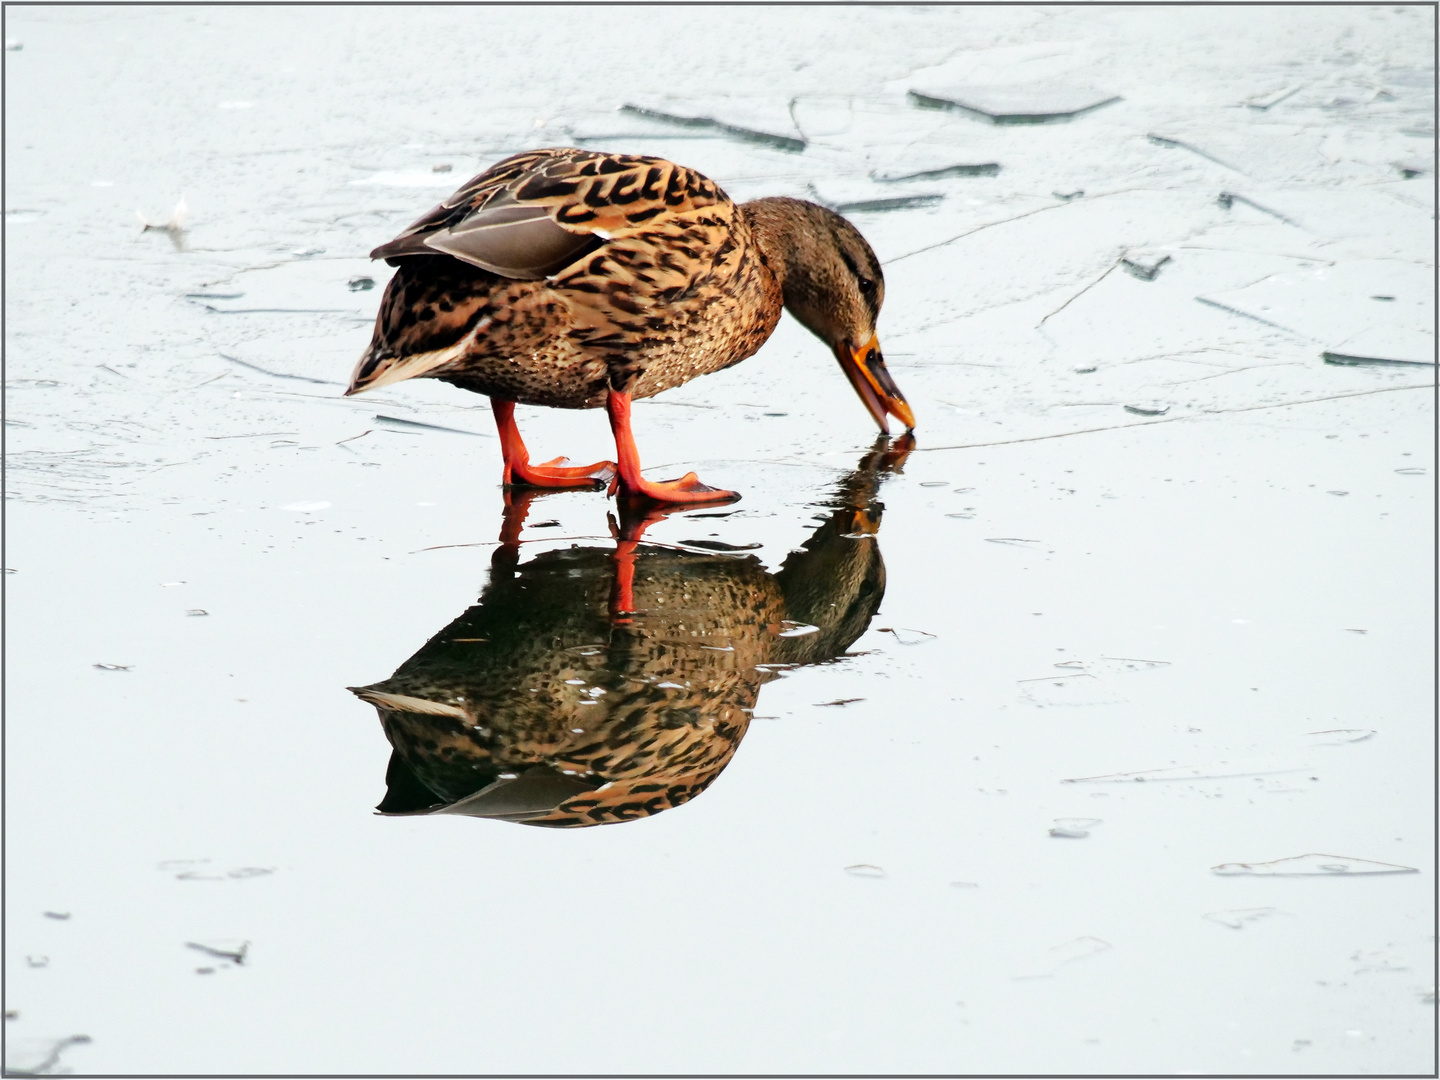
(592, 685)
(577, 279)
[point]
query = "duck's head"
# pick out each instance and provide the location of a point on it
(833, 284)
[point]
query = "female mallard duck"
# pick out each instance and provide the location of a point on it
(590, 686)
(578, 279)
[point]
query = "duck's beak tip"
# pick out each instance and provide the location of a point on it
(865, 368)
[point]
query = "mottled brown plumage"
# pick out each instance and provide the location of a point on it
(577, 279)
(543, 704)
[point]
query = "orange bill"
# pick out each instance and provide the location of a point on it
(865, 368)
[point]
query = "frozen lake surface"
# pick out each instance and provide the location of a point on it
(1154, 664)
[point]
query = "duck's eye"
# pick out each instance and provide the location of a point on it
(866, 285)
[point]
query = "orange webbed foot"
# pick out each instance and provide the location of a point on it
(558, 473)
(687, 489)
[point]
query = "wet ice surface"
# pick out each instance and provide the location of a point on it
(1131, 473)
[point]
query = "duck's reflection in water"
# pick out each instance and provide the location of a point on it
(595, 685)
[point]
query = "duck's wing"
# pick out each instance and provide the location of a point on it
(535, 213)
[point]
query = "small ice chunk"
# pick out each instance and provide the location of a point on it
(1236, 918)
(1034, 103)
(36, 961)
(361, 283)
(943, 172)
(61, 915)
(13, 45)
(1314, 865)
(1144, 264)
(1262, 102)
(1148, 408)
(865, 870)
(224, 948)
(173, 224)
(760, 121)
(196, 611)
(114, 667)
(1074, 828)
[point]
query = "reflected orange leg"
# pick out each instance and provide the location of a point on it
(551, 474)
(629, 482)
(635, 517)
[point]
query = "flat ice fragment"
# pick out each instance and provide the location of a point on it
(1082, 948)
(1069, 196)
(38, 1057)
(38, 961)
(224, 948)
(1338, 736)
(1263, 102)
(1314, 865)
(1074, 828)
(838, 701)
(1009, 540)
(13, 45)
(361, 283)
(760, 121)
(1222, 770)
(114, 667)
(943, 172)
(1384, 346)
(1177, 144)
(1331, 305)
(796, 629)
(865, 870)
(1033, 103)
(194, 611)
(61, 915)
(418, 425)
(1148, 409)
(1236, 918)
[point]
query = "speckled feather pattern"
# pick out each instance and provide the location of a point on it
(678, 289)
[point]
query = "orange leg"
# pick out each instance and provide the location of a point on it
(631, 485)
(552, 474)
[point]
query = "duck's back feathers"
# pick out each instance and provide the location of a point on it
(533, 214)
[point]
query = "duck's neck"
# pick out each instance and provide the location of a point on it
(776, 224)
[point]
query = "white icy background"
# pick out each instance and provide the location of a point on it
(1243, 537)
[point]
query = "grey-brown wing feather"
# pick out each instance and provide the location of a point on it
(513, 239)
